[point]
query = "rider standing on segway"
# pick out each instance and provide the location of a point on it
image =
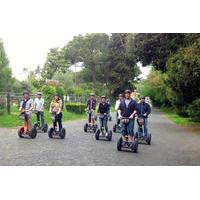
(26, 108)
(127, 109)
(117, 106)
(143, 111)
(39, 108)
(91, 107)
(103, 111)
(56, 110)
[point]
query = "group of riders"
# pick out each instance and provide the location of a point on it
(28, 106)
(126, 107)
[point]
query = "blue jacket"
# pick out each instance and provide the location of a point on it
(143, 108)
(127, 111)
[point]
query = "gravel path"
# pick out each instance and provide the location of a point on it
(171, 145)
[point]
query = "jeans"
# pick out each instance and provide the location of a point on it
(38, 114)
(144, 130)
(104, 122)
(58, 118)
(128, 128)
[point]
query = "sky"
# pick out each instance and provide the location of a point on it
(30, 28)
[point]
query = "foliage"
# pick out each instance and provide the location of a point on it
(155, 48)
(194, 110)
(48, 92)
(119, 71)
(55, 62)
(75, 107)
(66, 80)
(5, 71)
(183, 121)
(183, 69)
(155, 88)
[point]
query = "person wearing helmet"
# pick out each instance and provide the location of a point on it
(91, 107)
(39, 108)
(127, 109)
(143, 110)
(120, 98)
(56, 111)
(103, 111)
(26, 107)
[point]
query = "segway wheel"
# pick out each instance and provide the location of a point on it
(110, 136)
(33, 133)
(134, 147)
(149, 140)
(97, 134)
(20, 132)
(114, 128)
(45, 128)
(35, 125)
(50, 132)
(85, 127)
(136, 135)
(119, 144)
(62, 133)
(94, 129)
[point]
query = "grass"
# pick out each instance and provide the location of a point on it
(183, 121)
(10, 121)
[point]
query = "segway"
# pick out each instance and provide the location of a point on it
(89, 127)
(39, 127)
(117, 128)
(24, 130)
(126, 145)
(53, 131)
(141, 138)
(101, 133)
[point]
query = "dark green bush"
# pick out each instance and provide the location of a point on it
(75, 107)
(194, 110)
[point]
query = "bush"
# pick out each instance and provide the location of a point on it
(48, 92)
(75, 107)
(194, 110)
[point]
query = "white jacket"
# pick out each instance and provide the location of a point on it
(117, 104)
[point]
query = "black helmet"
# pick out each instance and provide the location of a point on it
(25, 92)
(127, 91)
(142, 97)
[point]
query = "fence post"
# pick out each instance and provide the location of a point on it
(8, 103)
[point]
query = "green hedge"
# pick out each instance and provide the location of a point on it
(75, 107)
(194, 110)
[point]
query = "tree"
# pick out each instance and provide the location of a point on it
(5, 71)
(183, 69)
(120, 69)
(90, 49)
(155, 48)
(55, 62)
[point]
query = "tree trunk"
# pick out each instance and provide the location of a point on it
(94, 78)
(8, 103)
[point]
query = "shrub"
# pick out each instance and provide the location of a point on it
(48, 92)
(194, 110)
(75, 107)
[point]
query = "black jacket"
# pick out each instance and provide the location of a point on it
(127, 111)
(103, 108)
(143, 108)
